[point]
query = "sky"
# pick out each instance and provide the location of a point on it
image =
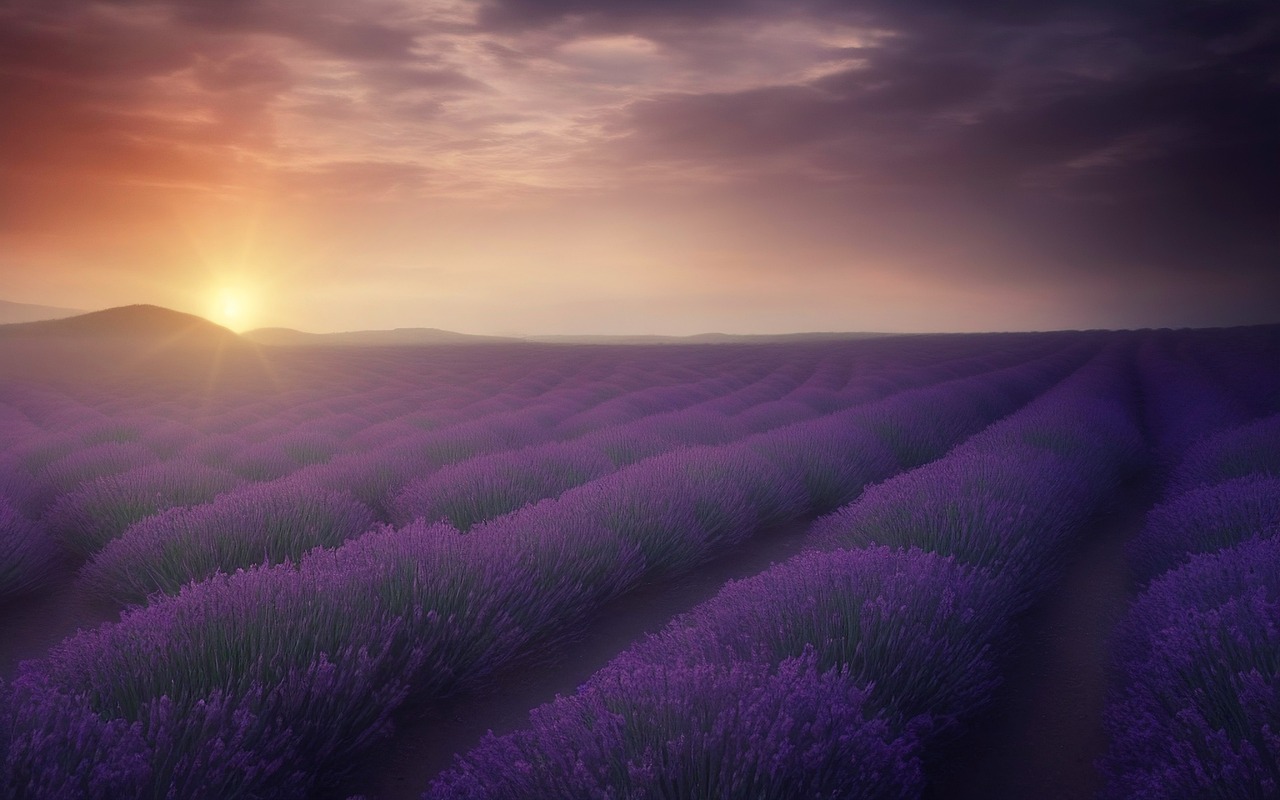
(645, 166)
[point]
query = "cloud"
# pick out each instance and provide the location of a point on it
(1113, 144)
(347, 179)
(1070, 139)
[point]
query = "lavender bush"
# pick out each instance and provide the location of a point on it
(1011, 497)
(68, 473)
(816, 679)
(88, 518)
(1204, 520)
(267, 523)
(27, 554)
(916, 628)
(1248, 449)
(1199, 682)
(698, 731)
(288, 670)
(489, 486)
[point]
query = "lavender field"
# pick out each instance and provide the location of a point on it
(928, 566)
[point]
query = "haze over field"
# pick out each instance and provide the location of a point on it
(645, 166)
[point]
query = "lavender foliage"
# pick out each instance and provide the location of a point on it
(481, 488)
(1204, 520)
(283, 673)
(1199, 682)
(698, 731)
(817, 678)
(1011, 497)
(1251, 449)
(27, 554)
(260, 524)
(87, 519)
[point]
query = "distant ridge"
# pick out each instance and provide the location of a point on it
(137, 323)
(704, 338)
(13, 313)
(288, 337)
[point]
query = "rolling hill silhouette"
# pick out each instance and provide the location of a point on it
(396, 336)
(138, 323)
(139, 344)
(11, 312)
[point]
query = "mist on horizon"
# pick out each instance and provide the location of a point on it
(556, 167)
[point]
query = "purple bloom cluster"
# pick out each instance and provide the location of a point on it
(704, 730)
(1197, 710)
(1245, 450)
(1204, 520)
(291, 669)
(910, 635)
(1011, 497)
(86, 519)
(259, 524)
(27, 554)
(788, 684)
(1196, 702)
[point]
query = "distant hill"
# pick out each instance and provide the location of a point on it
(704, 338)
(397, 336)
(140, 323)
(163, 326)
(11, 313)
(289, 337)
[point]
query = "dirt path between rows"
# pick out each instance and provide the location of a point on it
(425, 745)
(1044, 731)
(1039, 740)
(32, 623)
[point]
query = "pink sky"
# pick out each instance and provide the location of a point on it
(656, 167)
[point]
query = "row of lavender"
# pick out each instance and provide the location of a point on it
(264, 682)
(1197, 657)
(350, 422)
(86, 483)
(101, 471)
(282, 520)
(145, 550)
(834, 673)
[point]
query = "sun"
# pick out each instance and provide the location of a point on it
(231, 308)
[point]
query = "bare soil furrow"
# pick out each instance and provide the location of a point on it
(425, 743)
(1044, 731)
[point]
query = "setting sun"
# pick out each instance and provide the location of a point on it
(231, 308)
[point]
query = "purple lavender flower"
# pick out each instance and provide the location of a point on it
(1252, 449)
(99, 511)
(742, 729)
(1198, 692)
(262, 523)
(1203, 520)
(27, 554)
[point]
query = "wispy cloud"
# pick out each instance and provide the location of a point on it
(1066, 140)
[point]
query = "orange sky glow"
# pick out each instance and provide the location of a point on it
(645, 167)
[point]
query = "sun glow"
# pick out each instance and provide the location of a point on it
(232, 308)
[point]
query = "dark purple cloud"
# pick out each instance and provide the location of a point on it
(1089, 142)
(1125, 135)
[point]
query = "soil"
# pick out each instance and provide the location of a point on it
(1043, 733)
(1039, 739)
(34, 622)
(425, 743)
